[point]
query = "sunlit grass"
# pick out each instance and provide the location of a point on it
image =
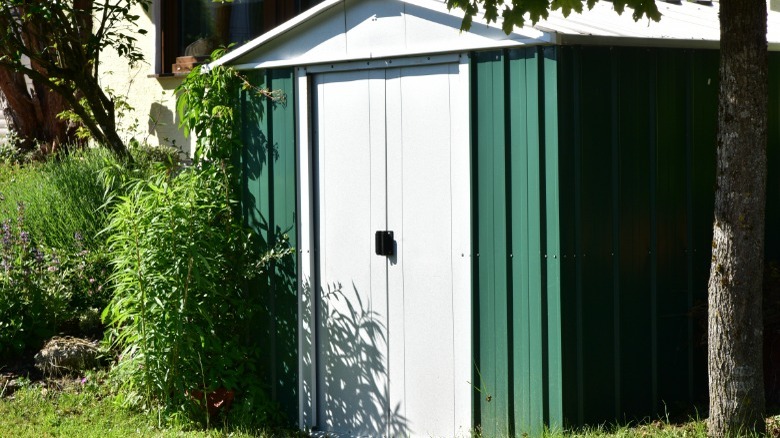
(87, 409)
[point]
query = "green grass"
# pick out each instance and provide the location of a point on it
(692, 429)
(86, 410)
(76, 409)
(63, 196)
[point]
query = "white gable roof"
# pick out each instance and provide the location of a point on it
(350, 30)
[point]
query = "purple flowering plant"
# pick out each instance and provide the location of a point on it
(44, 291)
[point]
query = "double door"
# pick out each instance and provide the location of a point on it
(393, 322)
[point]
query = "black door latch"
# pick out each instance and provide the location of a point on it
(385, 245)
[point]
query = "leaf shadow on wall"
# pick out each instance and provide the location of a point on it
(275, 330)
(353, 396)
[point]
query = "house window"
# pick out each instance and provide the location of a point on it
(196, 27)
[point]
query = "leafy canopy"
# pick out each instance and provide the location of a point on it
(515, 12)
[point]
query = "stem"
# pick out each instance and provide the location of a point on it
(147, 372)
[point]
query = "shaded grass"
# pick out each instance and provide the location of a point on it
(661, 428)
(693, 429)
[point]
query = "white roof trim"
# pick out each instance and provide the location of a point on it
(349, 30)
(278, 31)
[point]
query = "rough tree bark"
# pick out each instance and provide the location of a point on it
(34, 112)
(735, 319)
(34, 107)
(63, 42)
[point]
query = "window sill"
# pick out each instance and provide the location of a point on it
(164, 76)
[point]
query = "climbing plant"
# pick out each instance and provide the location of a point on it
(207, 102)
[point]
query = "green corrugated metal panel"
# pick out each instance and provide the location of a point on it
(570, 224)
(509, 130)
(269, 207)
(254, 158)
(595, 329)
(552, 213)
(772, 244)
(773, 165)
(523, 84)
(521, 117)
(642, 207)
(636, 148)
(671, 219)
(605, 198)
(703, 118)
(491, 245)
(284, 284)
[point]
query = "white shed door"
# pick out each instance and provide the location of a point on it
(386, 341)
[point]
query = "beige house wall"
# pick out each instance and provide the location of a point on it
(153, 117)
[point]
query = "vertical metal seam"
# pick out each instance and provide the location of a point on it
(577, 117)
(507, 111)
(454, 343)
(316, 268)
(689, 140)
(542, 120)
(296, 202)
(476, 400)
(387, 226)
(271, 234)
(615, 144)
(653, 152)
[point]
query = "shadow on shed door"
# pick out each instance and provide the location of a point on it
(386, 349)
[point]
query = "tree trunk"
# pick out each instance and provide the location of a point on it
(34, 112)
(735, 318)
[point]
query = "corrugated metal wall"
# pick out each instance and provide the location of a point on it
(594, 173)
(510, 311)
(268, 180)
(637, 173)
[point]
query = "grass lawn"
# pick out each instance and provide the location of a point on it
(72, 408)
(86, 409)
(75, 409)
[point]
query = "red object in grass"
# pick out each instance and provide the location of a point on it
(217, 400)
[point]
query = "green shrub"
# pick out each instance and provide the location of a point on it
(180, 313)
(180, 261)
(30, 304)
(54, 263)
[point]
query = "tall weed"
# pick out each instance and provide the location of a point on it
(180, 261)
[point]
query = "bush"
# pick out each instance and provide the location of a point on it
(29, 305)
(45, 291)
(180, 262)
(54, 263)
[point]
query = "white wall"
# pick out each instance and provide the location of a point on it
(154, 117)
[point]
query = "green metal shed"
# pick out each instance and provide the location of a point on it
(580, 170)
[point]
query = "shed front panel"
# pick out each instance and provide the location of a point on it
(388, 359)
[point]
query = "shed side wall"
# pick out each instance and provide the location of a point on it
(509, 129)
(593, 203)
(637, 156)
(268, 183)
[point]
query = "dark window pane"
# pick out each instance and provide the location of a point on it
(206, 25)
(197, 27)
